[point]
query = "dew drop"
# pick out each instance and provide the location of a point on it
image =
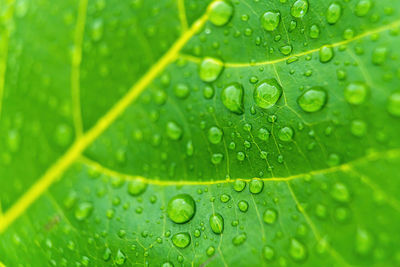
(299, 8)
(379, 55)
(393, 105)
(312, 100)
(270, 216)
(167, 264)
(239, 239)
(215, 135)
(267, 93)
(174, 131)
(363, 7)
(314, 31)
(297, 251)
(243, 205)
(225, 198)
(333, 13)
(217, 158)
(232, 98)
(358, 128)
(120, 258)
(217, 223)
(268, 253)
(210, 251)
(356, 93)
(239, 185)
(340, 193)
(285, 134)
(208, 92)
(263, 134)
(181, 208)
(364, 242)
(181, 240)
(325, 54)
(136, 187)
(256, 186)
(107, 254)
(220, 12)
(210, 69)
(83, 211)
(270, 20)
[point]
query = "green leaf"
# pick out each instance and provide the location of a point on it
(192, 133)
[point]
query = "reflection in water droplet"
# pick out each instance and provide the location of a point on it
(181, 208)
(312, 100)
(217, 223)
(256, 186)
(267, 93)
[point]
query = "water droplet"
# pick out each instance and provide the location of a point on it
(232, 98)
(189, 148)
(270, 20)
(256, 186)
(263, 134)
(181, 240)
(314, 31)
(312, 100)
(120, 258)
(107, 254)
(220, 12)
(239, 239)
(393, 106)
(174, 131)
(358, 128)
(364, 242)
(333, 13)
(340, 192)
(286, 134)
(167, 264)
(210, 69)
(299, 8)
(286, 49)
(270, 216)
(243, 206)
(181, 90)
(356, 93)
(215, 135)
(217, 223)
(217, 158)
(181, 208)
(297, 251)
(379, 55)
(83, 211)
(97, 30)
(239, 185)
(63, 135)
(208, 92)
(363, 7)
(225, 198)
(268, 253)
(325, 54)
(136, 187)
(210, 251)
(240, 156)
(267, 93)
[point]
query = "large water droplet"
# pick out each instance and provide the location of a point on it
(181, 208)
(83, 211)
(215, 135)
(136, 187)
(256, 186)
(356, 93)
(181, 240)
(239, 185)
(297, 251)
(270, 20)
(267, 93)
(220, 12)
(243, 205)
(299, 8)
(217, 223)
(325, 54)
(312, 100)
(210, 69)
(174, 131)
(393, 106)
(333, 13)
(232, 98)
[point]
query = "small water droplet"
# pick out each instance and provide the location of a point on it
(217, 223)
(181, 90)
(270, 20)
(267, 93)
(299, 8)
(220, 12)
(239, 185)
(181, 208)
(314, 31)
(232, 98)
(325, 54)
(358, 128)
(393, 105)
(239, 239)
(285, 134)
(83, 211)
(363, 7)
(181, 240)
(136, 187)
(210, 251)
(340, 193)
(120, 258)
(333, 13)
(210, 69)
(356, 93)
(268, 253)
(174, 131)
(256, 186)
(270, 216)
(364, 242)
(215, 135)
(243, 205)
(312, 100)
(297, 251)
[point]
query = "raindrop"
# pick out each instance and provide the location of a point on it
(239, 239)
(312, 100)
(364, 242)
(393, 106)
(256, 186)
(174, 131)
(268, 253)
(340, 193)
(239, 185)
(358, 128)
(181, 240)
(217, 223)
(325, 54)
(136, 187)
(363, 7)
(181, 90)
(83, 211)
(333, 13)
(181, 208)
(232, 98)
(299, 8)
(263, 134)
(120, 258)
(220, 12)
(243, 206)
(267, 93)
(356, 93)
(270, 216)
(215, 135)
(297, 251)
(286, 134)
(210, 69)
(270, 20)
